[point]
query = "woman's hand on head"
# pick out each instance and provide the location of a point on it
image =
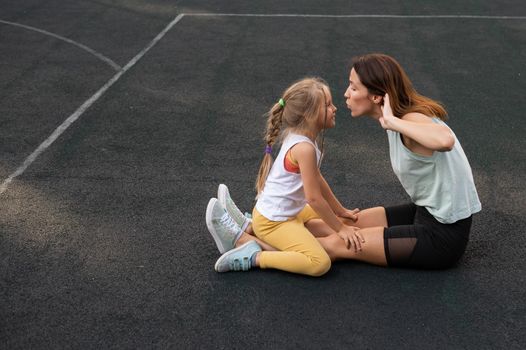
(387, 118)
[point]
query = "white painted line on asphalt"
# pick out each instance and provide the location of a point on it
(83, 47)
(72, 118)
(351, 16)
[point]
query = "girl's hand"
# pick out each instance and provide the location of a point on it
(352, 237)
(350, 214)
(387, 118)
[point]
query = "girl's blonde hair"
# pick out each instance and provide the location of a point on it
(382, 74)
(299, 103)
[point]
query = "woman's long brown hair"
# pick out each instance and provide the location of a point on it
(382, 74)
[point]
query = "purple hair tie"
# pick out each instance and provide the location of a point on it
(268, 149)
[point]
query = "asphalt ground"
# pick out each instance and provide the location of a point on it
(103, 242)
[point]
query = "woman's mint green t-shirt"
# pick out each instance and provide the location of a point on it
(443, 182)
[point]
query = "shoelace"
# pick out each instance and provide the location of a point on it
(229, 223)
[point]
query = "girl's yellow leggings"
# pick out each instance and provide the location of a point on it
(299, 251)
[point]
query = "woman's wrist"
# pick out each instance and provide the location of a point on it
(394, 124)
(340, 212)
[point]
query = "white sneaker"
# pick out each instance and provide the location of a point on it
(238, 259)
(222, 227)
(226, 201)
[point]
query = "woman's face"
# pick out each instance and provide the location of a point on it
(331, 112)
(358, 99)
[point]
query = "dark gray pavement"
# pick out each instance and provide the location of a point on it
(103, 242)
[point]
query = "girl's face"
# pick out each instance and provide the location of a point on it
(329, 108)
(358, 99)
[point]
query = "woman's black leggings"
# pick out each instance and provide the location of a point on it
(414, 238)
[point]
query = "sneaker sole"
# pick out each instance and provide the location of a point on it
(221, 194)
(210, 226)
(222, 191)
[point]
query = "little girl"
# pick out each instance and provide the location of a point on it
(291, 192)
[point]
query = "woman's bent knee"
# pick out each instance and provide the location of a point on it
(331, 244)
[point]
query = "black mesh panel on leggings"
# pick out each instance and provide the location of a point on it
(401, 250)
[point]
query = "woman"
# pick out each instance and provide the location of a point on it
(426, 156)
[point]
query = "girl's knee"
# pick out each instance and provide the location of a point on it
(320, 266)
